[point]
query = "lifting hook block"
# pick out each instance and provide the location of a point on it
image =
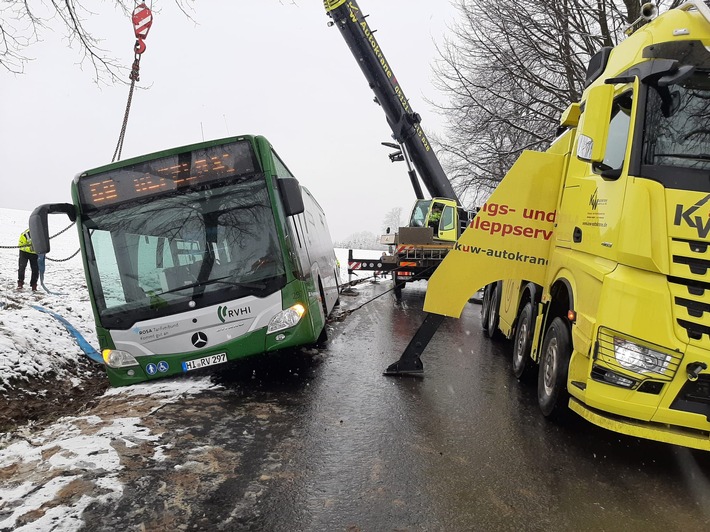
(142, 21)
(139, 47)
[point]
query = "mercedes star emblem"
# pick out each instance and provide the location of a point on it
(199, 339)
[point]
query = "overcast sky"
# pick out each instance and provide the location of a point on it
(245, 67)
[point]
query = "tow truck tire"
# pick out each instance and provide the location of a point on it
(522, 364)
(491, 311)
(398, 286)
(485, 307)
(552, 394)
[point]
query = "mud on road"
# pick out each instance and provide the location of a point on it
(42, 400)
(191, 453)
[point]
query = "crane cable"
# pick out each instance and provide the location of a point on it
(142, 19)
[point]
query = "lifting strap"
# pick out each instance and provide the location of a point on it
(142, 19)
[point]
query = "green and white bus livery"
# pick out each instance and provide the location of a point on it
(198, 255)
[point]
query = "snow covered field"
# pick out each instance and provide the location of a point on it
(32, 343)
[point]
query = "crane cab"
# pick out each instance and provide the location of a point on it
(443, 215)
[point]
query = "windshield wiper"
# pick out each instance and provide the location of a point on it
(699, 156)
(248, 286)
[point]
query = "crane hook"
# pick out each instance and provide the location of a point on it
(142, 20)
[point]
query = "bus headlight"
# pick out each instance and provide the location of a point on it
(286, 318)
(118, 359)
(639, 358)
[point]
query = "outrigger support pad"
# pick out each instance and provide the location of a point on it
(410, 363)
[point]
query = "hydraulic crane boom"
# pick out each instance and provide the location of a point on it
(403, 121)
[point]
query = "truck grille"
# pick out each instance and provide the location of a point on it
(690, 287)
(694, 397)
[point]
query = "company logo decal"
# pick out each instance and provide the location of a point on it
(199, 339)
(155, 332)
(224, 313)
(696, 222)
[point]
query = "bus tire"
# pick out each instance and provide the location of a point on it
(552, 394)
(522, 343)
(492, 312)
(323, 336)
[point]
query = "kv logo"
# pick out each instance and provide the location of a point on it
(695, 221)
(594, 199)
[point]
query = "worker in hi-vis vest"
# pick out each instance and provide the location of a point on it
(27, 254)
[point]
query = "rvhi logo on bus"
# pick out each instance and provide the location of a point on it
(225, 313)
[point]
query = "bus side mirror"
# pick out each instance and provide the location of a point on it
(594, 124)
(291, 195)
(39, 228)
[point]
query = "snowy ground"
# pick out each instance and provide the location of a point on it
(44, 375)
(34, 345)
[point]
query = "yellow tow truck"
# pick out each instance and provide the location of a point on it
(595, 254)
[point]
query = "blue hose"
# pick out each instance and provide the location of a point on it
(41, 266)
(85, 346)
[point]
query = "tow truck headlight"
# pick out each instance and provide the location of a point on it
(115, 358)
(286, 318)
(640, 358)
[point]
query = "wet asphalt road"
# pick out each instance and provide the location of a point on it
(323, 442)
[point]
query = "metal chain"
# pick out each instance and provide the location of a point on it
(396, 284)
(142, 18)
(122, 136)
(51, 237)
(62, 231)
(63, 260)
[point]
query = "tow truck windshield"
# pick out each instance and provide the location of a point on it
(677, 127)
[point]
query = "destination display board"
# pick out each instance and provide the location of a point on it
(167, 173)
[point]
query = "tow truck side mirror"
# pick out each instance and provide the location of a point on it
(594, 124)
(291, 195)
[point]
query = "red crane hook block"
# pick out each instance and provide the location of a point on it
(142, 20)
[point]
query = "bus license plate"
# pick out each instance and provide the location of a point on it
(204, 362)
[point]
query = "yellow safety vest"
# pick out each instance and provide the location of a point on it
(25, 242)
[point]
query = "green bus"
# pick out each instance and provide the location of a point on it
(198, 255)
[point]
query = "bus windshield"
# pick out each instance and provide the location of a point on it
(168, 254)
(676, 132)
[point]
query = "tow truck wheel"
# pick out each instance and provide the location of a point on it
(490, 327)
(552, 391)
(522, 365)
(398, 286)
(485, 307)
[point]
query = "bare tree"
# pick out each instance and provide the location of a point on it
(24, 22)
(392, 220)
(509, 70)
